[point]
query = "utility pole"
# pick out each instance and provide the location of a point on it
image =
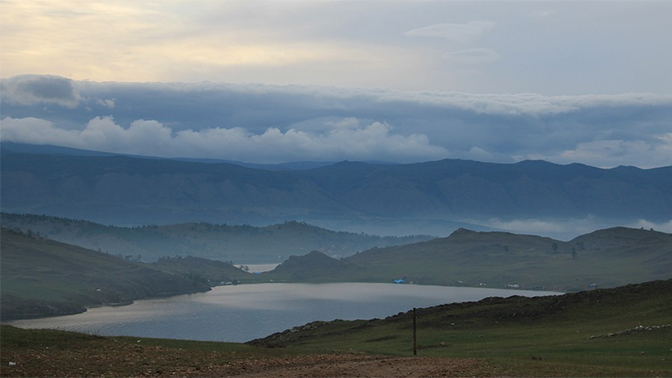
(415, 345)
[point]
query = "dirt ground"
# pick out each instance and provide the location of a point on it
(318, 366)
(337, 366)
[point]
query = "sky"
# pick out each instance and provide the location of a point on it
(389, 80)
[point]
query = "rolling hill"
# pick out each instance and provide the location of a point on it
(621, 332)
(41, 277)
(241, 244)
(618, 332)
(604, 258)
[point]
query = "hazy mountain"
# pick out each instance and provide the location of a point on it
(127, 190)
(59, 150)
(605, 258)
(241, 244)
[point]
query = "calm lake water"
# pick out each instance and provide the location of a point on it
(245, 312)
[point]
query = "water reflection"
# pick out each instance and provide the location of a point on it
(245, 312)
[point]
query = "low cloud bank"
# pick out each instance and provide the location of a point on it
(349, 140)
(261, 123)
(567, 229)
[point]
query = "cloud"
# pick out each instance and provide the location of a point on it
(567, 229)
(461, 33)
(348, 139)
(541, 14)
(106, 103)
(662, 227)
(34, 89)
(285, 123)
(34, 131)
(637, 152)
(571, 47)
(564, 228)
(472, 56)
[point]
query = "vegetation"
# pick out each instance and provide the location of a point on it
(620, 332)
(41, 277)
(242, 244)
(605, 258)
(606, 332)
(212, 272)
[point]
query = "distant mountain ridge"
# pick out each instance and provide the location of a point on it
(133, 191)
(14, 147)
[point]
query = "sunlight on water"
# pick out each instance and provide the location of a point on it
(245, 312)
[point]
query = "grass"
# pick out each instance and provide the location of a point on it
(41, 277)
(57, 353)
(555, 342)
(545, 336)
(609, 258)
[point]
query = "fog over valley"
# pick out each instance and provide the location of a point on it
(336, 188)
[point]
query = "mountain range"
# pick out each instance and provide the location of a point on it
(131, 190)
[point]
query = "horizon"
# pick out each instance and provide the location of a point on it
(270, 82)
(291, 165)
(277, 82)
(274, 124)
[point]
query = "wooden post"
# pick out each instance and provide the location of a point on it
(415, 345)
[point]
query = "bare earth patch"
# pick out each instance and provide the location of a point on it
(328, 366)
(160, 362)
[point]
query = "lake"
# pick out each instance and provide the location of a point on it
(245, 312)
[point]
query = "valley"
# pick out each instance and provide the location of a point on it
(82, 231)
(34, 285)
(620, 332)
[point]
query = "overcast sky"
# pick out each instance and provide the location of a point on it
(405, 81)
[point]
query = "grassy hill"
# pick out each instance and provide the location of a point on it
(621, 332)
(213, 272)
(41, 277)
(624, 331)
(241, 244)
(606, 258)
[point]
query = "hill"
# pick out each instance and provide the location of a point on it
(314, 266)
(605, 258)
(243, 244)
(41, 277)
(126, 190)
(623, 331)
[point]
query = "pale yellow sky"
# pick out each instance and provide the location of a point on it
(153, 41)
(472, 46)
